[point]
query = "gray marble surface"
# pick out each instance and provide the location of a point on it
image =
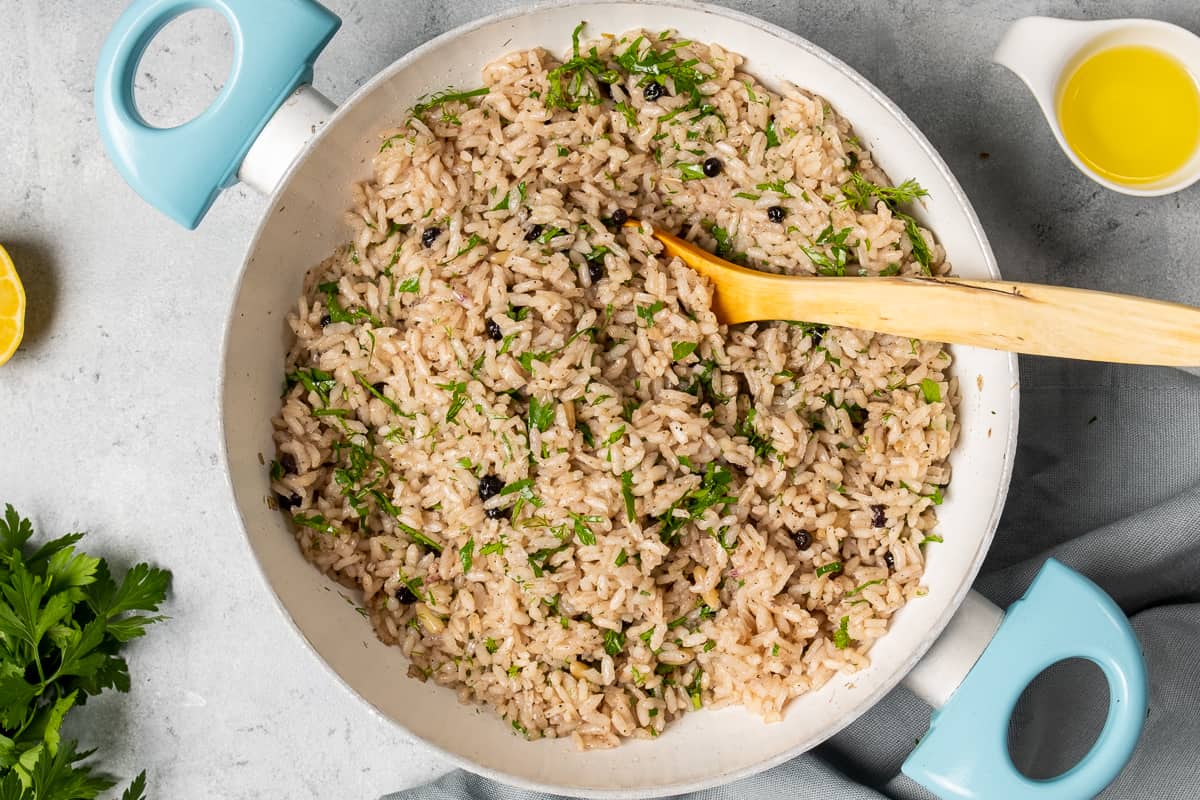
(108, 414)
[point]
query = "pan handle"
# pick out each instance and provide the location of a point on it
(1063, 615)
(181, 170)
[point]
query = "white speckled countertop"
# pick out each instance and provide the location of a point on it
(108, 413)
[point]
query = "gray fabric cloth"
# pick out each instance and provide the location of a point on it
(1107, 481)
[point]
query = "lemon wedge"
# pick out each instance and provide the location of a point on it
(12, 307)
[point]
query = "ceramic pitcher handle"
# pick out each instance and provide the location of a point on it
(181, 170)
(1063, 615)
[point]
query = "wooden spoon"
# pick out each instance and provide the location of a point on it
(1001, 315)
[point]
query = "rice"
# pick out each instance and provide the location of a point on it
(561, 486)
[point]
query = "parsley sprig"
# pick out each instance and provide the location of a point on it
(63, 622)
(575, 82)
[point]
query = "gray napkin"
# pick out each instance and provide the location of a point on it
(1108, 482)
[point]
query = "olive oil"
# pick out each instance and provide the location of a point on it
(1131, 114)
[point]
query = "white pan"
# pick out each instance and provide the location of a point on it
(954, 648)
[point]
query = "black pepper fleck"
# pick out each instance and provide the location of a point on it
(493, 330)
(712, 167)
(776, 214)
(802, 539)
(653, 91)
(288, 462)
(534, 233)
(489, 486)
(878, 516)
(430, 235)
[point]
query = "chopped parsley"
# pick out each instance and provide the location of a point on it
(772, 136)
(622, 558)
(832, 566)
(841, 637)
(724, 244)
(494, 547)
(647, 312)
(778, 187)
(933, 537)
(443, 97)
(833, 263)
(931, 390)
(317, 381)
(339, 314)
(712, 493)
(474, 241)
(614, 437)
(562, 151)
(419, 537)
(458, 398)
(762, 446)
(656, 66)
(491, 645)
(681, 350)
(627, 494)
(573, 83)
(579, 525)
(538, 558)
(316, 521)
(503, 204)
(702, 385)
(387, 401)
(614, 642)
(410, 285)
(858, 589)
(628, 112)
(691, 172)
(517, 313)
(541, 414)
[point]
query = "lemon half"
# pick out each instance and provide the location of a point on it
(12, 307)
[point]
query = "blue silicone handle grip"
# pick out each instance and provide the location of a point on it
(181, 170)
(1063, 615)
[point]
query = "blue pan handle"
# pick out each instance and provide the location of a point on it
(181, 170)
(1063, 615)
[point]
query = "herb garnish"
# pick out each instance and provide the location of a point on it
(466, 554)
(541, 414)
(614, 642)
(841, 637)
(579, 525)
(573, 82)
(681, 350)
(832, 566)
(627, 494)
(63, 622)
(443, 97)
(647, 312)
(712, 493)
(760, 444)
(458, 398)
(339, 314)
(833, 264)
(931, 390)
(503, 204)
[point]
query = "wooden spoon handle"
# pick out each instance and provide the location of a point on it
(1002, 315)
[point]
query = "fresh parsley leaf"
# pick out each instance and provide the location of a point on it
(920, 248)
(778, 187)
(832, 566)
(575, 82)
(933, 537)
(931, 390)
(410, 285)
(833, 263)
(541, 414)
(493, 547)
(440, 99)
(466, 554)
(503, 204)
(691, 172)
(858, 589)
(419, 537)
(614, 437)
(681, 350)
(761, 445)
(622, 558)
(315, 521)
(387, 401)
(712, 493)
(472, 242)
(772, 136)
(627, 494)
(841, 637)
(339, 314)
(647, 312)
(562, 151)
(458, 398)
(614, 642)
(579, 525)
